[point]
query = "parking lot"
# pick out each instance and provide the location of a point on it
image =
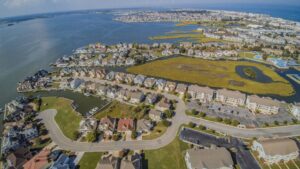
(240, 154)
(243, 115)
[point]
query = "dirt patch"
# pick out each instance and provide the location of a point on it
(236, 83)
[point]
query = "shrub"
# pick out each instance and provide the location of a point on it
(166, 123)
(219, 119)
(202, 114)
(91, 136)
(134, 135)
(201, 127)
(168, 113)
(235, 122)
(194, 112)
(75, 135)
(192, 125)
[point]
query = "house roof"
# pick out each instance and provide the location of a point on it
(181, 87)
(144, 124)
(210, 158)
(38, 161)
(199, 89)
(282, 146)
(231, 94)
(108, 162)
(164, 103)
(136, 95)
(263, 101)
(108, 120)
(19, 157)
(125, 124)
(155, 112)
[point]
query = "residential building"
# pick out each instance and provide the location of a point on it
(203, 94)
(181, 88)
(144, 126)
(155, 115)
(18, 158)
(125, 125)
(163, 104)
(87, 125)
(262, 105)
(129, 78)
(101, 89)
(139, 80)
(123, 94)
(39, 161)
(107, 125)
(160, 84)
(295, 110)
(276, 150)
(151, 98)
(149, 82)
(136, 97)
(232, 98)
(63, 162)
(170, 86)
(218, 158)
(74, 84)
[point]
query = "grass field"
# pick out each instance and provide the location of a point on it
(66, 118)
(119, 110)
(170, 156)
(219, 74)
(193, 36)
(89, 160)
(158, 130)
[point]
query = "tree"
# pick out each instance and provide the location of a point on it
(116, 137)
(166, 123)
(276, 122)
(38, 141)
(91, 136)
(219, 119)
(192, 125)
(194, 112)
(227, 121)
(134, 134)
(75, 135)
(168, 113)
(295, 121)
(201, 127)
(202, 114)
(235, 122)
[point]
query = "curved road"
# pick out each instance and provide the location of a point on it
(180, 118)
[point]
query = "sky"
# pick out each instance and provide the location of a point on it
(25, 7)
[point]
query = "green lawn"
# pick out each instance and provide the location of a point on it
(119, 110)
(66, 118)
(89, 160)
(260, 161)
(210, 73)
(158, 130)
(168, 157)
(247, 54)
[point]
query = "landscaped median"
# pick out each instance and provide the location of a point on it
(66, 118)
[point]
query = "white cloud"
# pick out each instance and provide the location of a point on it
(18, 3)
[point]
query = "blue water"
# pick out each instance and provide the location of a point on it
(31, 45)
(290, 12)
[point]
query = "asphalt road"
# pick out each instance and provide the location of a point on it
(180, 118)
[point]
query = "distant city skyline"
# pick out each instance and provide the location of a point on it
(25, 7)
